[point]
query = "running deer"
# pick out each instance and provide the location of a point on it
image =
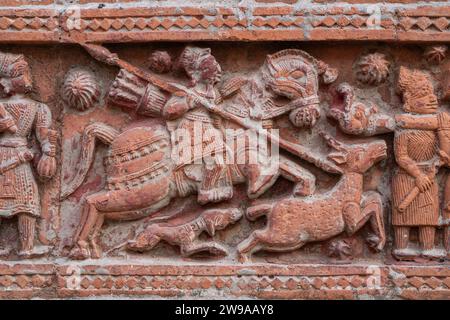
(293, 222)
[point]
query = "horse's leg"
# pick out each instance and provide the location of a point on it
(81, 248)
(93, 240)
(305, 181)
(259, 178)
(83, 218)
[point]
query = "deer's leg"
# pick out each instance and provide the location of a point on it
(371, 208)
(247, 247)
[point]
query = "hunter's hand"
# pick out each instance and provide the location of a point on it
(46, 167)
(26, 156)
(444, 158)
(423, 183)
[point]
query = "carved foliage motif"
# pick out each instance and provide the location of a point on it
(372, 69)
(80, 89)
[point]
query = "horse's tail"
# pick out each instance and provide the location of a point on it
(92, 132)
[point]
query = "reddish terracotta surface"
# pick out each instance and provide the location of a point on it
(356, 207)
(136, 21)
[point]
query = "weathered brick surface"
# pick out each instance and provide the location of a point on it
(208, 281)
(402, 21)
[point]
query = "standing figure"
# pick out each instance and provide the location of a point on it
(19, 194)
(414, 185)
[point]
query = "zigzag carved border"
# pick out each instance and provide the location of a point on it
(24, 281)
(389, 22)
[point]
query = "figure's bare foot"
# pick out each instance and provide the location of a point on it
(406, 254)
(434, 254)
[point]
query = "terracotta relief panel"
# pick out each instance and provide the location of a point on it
(288, 169)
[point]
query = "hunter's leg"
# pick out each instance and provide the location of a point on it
(81, 250)
(3, 251)
(426, 237)
(446, 214)
(401, 237)
(27, 227)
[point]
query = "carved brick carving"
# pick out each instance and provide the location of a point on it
(238, 166)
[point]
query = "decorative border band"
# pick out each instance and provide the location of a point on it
(252, 22)
(21, 281)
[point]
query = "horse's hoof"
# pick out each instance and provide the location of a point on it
(78, 253)
(96, 252)
(243, 258)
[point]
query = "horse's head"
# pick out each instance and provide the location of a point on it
(294, 74)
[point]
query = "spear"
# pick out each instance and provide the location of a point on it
(102, 54)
